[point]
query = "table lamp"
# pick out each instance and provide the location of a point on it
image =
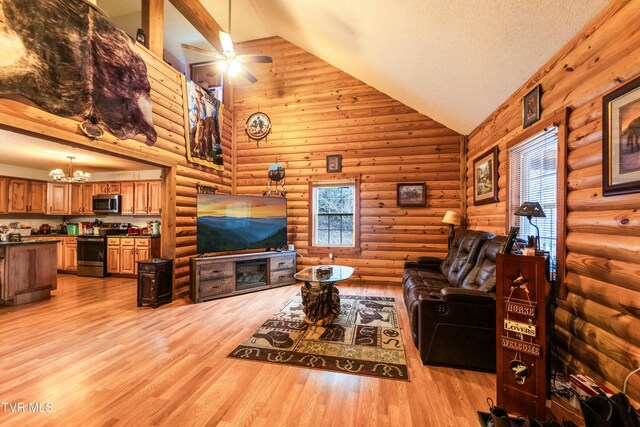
(530, 210)
(452, 218)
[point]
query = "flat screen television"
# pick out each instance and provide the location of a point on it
(228, 223)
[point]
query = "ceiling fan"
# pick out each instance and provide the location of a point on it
(230, 62)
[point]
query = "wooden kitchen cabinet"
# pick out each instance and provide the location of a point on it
(37, 197)
(70, 254)
(106, 188)
(3, 195)
(154, 197)
(26, 196)
(81, 199)
(141, 205)
(57, 198)
(127, 192)
(123, 253)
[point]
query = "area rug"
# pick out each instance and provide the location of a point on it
(364, 339)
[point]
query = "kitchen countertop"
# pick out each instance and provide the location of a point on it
(28, 242)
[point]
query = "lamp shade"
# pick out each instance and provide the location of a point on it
(530, 209)
(451, 217)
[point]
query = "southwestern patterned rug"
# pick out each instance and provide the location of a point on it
(364, 339)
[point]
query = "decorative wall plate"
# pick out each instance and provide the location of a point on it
(258, 126)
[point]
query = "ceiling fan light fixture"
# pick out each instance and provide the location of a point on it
(234, 68)
(222, 66)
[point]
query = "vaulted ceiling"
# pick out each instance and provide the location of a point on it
(455, 60)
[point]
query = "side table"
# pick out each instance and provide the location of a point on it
(154, 281)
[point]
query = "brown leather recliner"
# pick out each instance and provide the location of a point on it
(453, 320)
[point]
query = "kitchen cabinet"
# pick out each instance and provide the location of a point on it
(141, 200)
(81, 199)
(37, 197)
(154, 197)
(28, 272)
(127, 192)
(123, 253)
(3, 195)
(26, 196)
(57, 198)
(70, 248)
(106, 188)
(148, 198)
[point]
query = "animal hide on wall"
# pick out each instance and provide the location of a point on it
(205, 124)
(70, 60)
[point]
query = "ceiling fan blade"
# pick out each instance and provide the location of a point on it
(202, 51)
(226, 42)
(247, 74)
(255, 59)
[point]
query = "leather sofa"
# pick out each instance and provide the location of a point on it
(451, 303)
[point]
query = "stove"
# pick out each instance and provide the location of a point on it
(92, 249)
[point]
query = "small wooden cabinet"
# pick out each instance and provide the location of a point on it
(127, 193)
(155, 281)
(81, 199)
(222, 276)
(123, 253)
(106, 188)
(58, 198)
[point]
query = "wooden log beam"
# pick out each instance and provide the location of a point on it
(153, 25)
(201, 19)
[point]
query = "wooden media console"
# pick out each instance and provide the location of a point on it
(222, 276)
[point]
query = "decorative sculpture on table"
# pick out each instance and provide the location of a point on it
(65, 56)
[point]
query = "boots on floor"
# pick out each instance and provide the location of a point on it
(622, 407)
(498, 416)
(598, 411)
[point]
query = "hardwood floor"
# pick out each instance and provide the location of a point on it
(97, 359)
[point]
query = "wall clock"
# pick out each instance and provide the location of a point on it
(258, 126)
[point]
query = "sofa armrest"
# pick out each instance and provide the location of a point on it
(467, 295)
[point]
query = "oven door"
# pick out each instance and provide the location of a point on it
(92, 253)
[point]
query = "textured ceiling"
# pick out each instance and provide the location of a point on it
(455, 60)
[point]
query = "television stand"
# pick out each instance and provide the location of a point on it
(215, 277)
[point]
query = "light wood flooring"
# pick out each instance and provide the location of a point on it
(97, 359)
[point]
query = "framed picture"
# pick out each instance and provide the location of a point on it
(531, 107)
(621, 140)
(485, 177)
(412, 195)
(334, 163)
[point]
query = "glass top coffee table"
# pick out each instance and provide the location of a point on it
(320, 298)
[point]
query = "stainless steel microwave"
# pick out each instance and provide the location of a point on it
(106, 203)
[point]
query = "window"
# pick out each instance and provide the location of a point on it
(333, 215)
(533, 177)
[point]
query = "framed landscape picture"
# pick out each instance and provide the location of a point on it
(621, 140)
(412, 195)
(485, 177)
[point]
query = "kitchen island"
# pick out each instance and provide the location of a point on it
(28, 271)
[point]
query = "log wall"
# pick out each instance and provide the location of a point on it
(597, 325)
(317, 110)
(180, 177)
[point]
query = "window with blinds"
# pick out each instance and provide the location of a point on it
(533, 177)
(333, 207)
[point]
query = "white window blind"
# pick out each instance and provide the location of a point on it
(333, 214)
(533, 177)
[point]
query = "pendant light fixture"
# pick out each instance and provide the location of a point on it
(58, 175)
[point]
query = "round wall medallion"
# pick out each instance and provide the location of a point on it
(258, 126)
(276, 172)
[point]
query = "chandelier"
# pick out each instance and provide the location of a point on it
(71, 176)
